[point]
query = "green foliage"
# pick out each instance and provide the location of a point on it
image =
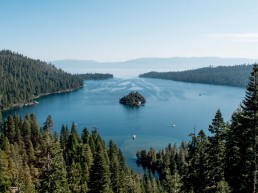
(222, 75)
(216, 153)
(34, 160)
(5, 178)
(225, 161)
(133, 98)
(241, 144)
(22, 79)
(100, 178)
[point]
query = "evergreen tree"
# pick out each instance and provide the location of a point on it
(53, 177)
(115, 169)
(194, 179)
(9, 129)
(246, 146)
(1, 119)
(35, 130)
(73, 145)
(85, 136)
(74, 177)
(215, 153)
(64, 136)
(233, 162)
(5, 181)
(100, 174)
(48, 125)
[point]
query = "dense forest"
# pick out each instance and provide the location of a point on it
(23, 79)
(224, 161)
(32, 159)
(95, 76)
(222, 75)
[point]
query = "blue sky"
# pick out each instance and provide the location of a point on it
(118, 30)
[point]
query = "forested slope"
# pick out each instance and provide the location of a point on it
(224, 161)
(222, 75)
(32, 160)
(23, 78)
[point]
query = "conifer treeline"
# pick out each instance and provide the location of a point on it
(225, 161)
(23, 78)
(95, 76)
(34, 160)
(221, 75)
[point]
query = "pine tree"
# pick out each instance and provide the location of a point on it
(1, 120)
(215, 153)
(85, 136)
(48, 125)
(53, 176)
(115, 169)
(100, 174)
(245, 149)
(194, 179)
(9, 129)
(73, 145)
(233, 155)
(5, 181)
(64, 136)
(74, 177)
(35, 130)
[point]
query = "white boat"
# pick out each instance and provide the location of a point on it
(134, 136)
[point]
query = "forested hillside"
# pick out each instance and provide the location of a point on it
(224, 161)
(23, 79)
(34, 160)
(222, 75)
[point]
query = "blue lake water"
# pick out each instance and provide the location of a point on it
(185, 105)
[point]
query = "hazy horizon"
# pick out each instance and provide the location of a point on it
(132, 68)
(110, 31)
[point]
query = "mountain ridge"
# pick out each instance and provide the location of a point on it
(134, 67)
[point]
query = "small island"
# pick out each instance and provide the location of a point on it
(133, 99)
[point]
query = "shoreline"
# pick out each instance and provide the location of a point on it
(27, 103)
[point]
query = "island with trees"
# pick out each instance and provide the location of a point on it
(222, 75)
(133, 99)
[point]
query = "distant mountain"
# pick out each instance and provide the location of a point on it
(23, 79)
(222, 75)
(141, 65)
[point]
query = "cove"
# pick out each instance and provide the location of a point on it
(172, 111)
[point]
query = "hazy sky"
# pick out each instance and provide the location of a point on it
(117, 30)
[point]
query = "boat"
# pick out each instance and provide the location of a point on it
(134, 136)
(173, 125)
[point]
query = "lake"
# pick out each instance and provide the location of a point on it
(185, 105)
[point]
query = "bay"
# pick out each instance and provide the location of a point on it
(185, 105)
